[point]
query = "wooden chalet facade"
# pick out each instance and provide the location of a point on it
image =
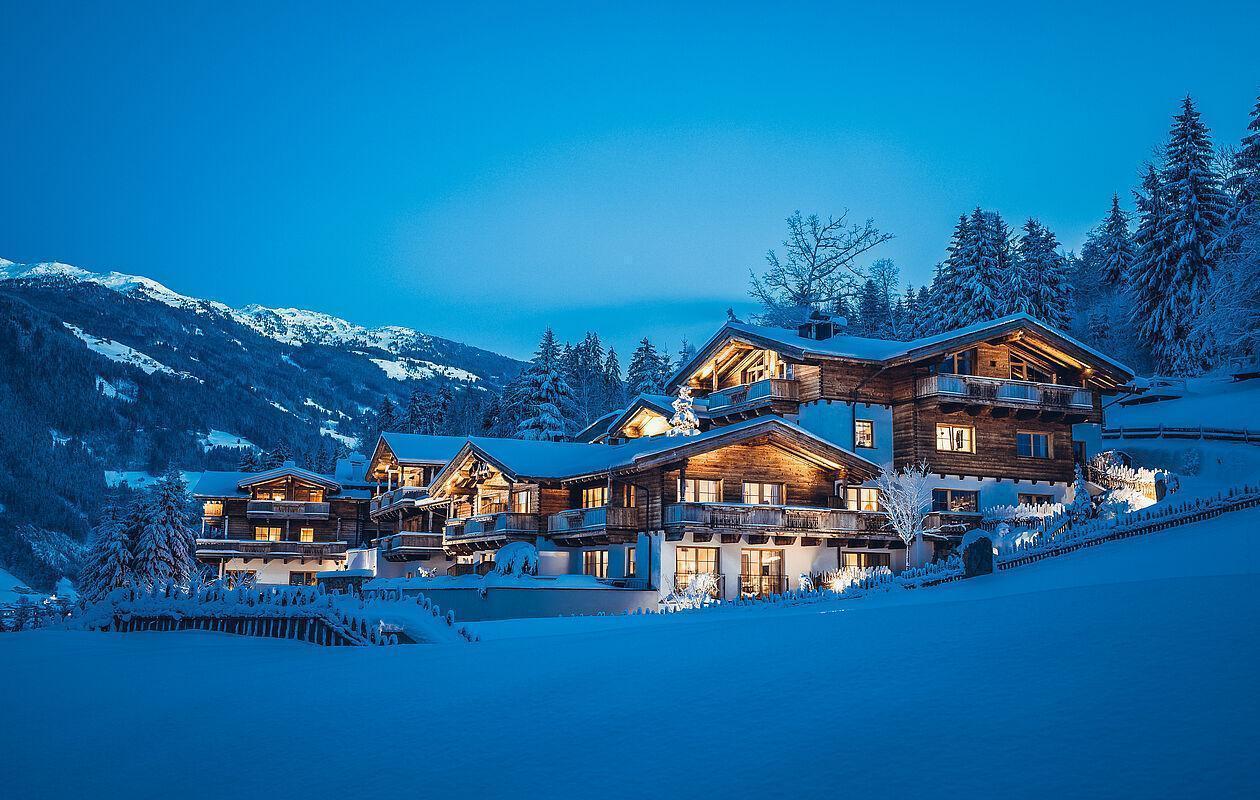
(778, 482)
(284, 525)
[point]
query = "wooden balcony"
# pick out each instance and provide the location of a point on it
(410, 546)
(1024, 398)
(770, 392)
(396, 499)
(602, 525)
(249, 548)
(489, 531)
(286, 509)
(768, 520)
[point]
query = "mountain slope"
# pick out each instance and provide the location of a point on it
(142, 374)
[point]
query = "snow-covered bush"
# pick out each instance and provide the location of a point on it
(701, 590)
(516, 558)
(1082, 506)
(1022, 513)
(977, 550)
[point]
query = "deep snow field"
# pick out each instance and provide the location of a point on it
(1127, 669)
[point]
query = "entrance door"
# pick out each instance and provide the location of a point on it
(761, 573)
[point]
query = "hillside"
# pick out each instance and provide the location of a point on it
(106, 371)
(1045, 681)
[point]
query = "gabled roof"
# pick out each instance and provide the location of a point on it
(287, 471)
(887, 352)
(236, 484)
(530, 460)
(415, 448)
(660, 403)
(598, 429)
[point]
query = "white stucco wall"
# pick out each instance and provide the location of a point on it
(833, 420)
(274, 571)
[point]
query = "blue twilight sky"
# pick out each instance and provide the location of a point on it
(480, 171)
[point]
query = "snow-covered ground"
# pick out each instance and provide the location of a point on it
(225, 439)
(1126, 669)
(138, 479)
(407, 369)
(1211, 402)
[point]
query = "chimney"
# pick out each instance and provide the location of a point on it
(820, 326)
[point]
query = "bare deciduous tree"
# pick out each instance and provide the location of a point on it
(906, 496)
(818, 269)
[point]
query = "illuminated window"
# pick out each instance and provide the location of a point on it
(520, 502)
(1032, 445)
(958, 501)
(628, 496)
(270, 494)
(862, 498)
(266, 534)
(306, 535)
(595, 562)
(1035, 499)
(696, 560)
(761, 572)
(631, 561)
(699, 490)
(867, 559)
(212, 508)
(595, 497)
(956, 438)
(864, 433)
(301, 578)
(763, 494)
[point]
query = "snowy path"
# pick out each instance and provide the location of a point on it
(1125, 669)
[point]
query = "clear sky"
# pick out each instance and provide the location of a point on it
(480, 171)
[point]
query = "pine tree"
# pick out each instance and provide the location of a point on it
(1115, 246)
(1081, 507)
(947, 295)
(684, 422)
(386, 420)
(415, 417)
(277, 456)
(549, 413)
(1039, 282)
(108, 565)
(644, 374)
(614, 386)
(248, 461)
(686, 351)
(166, 550)
(1177, 245)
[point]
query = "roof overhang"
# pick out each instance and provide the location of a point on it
(288, 472)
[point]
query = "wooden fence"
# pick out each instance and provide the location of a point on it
(314, 629)
(1169, 432)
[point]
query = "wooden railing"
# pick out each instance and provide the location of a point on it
(287, 508)
(603, 517)
(787, 518)
(996, 390)
(394, 497)
(252, 547)
(505, 522)
(767, 390)
(409, 542)
(1169, 432)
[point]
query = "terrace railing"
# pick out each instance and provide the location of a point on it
(599, 518)
(294, 509)
(769, 518)
(997, 390)
(768, 389)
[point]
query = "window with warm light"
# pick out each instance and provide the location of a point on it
(306, 535)
(631, 561)
(700, 490)
(594, 497)
(696, 560)
(628, 496)
(595, 563)
(520, 502)
(956, 438)
(212, 508)
(958, 501)
(864, 433)
(264, 533)
(862, 498)
(864, 560)
(763, 494)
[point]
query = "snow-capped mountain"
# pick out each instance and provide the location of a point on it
(140, 373)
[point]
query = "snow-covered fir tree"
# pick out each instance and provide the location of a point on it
(108, 565)
(1178, 240)
(1108, 250)
(686, 351)
(248, 461)
(1081, 506)
(549, 413)
(1039, 283)
(166, 550)
(648, 370)
(684, 422)
(614, 385)
(415, 416)
(386, 419)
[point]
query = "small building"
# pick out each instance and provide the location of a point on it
(283, 525)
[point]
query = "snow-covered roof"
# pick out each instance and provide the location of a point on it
(236, 484)
(597, 429)
(570, 460)
(880, 351)
(415, 448)
(288, 470)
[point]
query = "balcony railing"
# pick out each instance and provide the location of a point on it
(762, 585)
(396, 497)
(769, 518)
(601, 518)
(996, 390)
(505, 523)
(294, 509)
(228, 548)
(766, 390)
(399, 545)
